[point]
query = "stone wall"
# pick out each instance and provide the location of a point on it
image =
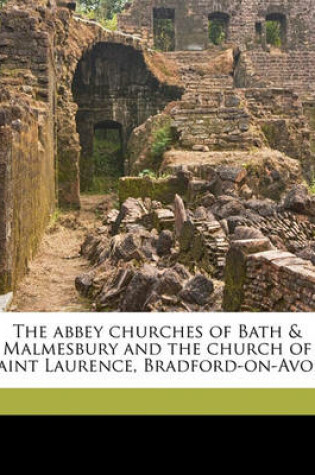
(41, 45)
(278, 281)
(27, 144)
(191, 21)
(287, 69)
(292, 66)
(259, 279)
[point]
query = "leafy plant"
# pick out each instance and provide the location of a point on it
(108, 161)
(148, 173)
(217, 31)
(55, 217)
(111, 24)
(312, 186)
(162, 138)
(273, 33)
(104, 11)
(164, 34)
(153, 174)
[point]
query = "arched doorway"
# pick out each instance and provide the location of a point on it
(115, 92)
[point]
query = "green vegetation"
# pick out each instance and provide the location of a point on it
(149, 173)
(158, 189)
(153, 174)
(217, 31)
(54, 217)
(273, 33)
(103, 11)
(2, 3)
(271, 133)
(162, 139)
(311, 186)
(164, 34)
(108, 161)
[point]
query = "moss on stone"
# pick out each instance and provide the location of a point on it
(5, 282)
(134, 187)
(158, 189)
(235, 275)
(271, 132)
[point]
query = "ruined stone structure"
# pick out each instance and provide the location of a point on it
(41, 46)
(245, 26)
(237, 112)
(112, 84)
(267, 280)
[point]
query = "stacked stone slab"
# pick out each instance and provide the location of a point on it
(215, 244)
(278, 281)
(210, 115)
(259, 279)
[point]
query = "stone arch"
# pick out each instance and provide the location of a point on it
(80, 52)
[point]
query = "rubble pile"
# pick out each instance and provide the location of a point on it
(152, 256)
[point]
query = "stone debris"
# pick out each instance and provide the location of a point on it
(239, 134)
(165, 243)
(300, 201)
(198, 290)
(172, 257)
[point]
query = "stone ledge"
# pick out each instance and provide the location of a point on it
(304, 273)
(288, 261)
(254, 247)
(5, 301)
(272, 255)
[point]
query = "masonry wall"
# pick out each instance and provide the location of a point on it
(261, 279)
(293, 66)
(191, 20)
(27, 146)
(6, 209)
(278, 282)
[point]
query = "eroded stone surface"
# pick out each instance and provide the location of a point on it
(240, 137)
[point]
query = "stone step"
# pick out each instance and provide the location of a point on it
(225, 113)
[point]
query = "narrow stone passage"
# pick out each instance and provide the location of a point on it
(49, 283)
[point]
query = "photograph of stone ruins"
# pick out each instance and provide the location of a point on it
(157, 155)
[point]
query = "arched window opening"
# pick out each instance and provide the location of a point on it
(276, 30)
(164, 29)
(218, 28)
